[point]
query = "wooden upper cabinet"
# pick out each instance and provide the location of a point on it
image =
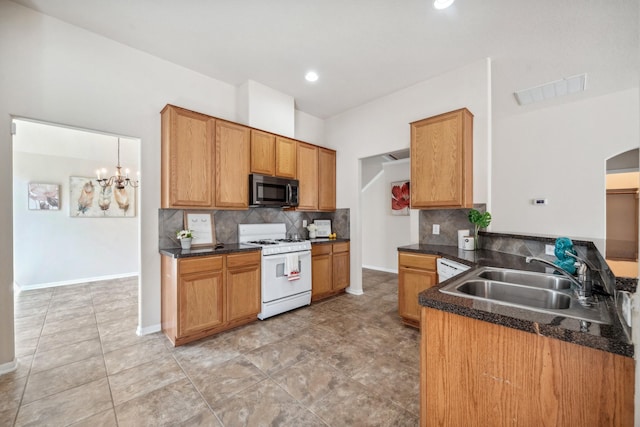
(307, 174)
(442, 161)
(187, 159)
(326, 179)
(285, 157)
(232, 160)
(263, 152)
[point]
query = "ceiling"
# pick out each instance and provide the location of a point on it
(365, 49)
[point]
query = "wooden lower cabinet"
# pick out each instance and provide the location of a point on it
(330, 269)
(202, 296)
(416, 272)
(476, 373)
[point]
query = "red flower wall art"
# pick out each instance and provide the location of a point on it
(400, 198)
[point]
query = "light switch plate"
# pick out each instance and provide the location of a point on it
(436, 229)
(549, 249)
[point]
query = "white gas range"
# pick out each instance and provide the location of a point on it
(286, 267)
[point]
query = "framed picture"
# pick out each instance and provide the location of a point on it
(44, 197)
(88, 199)
(400, 198)
(204, 230)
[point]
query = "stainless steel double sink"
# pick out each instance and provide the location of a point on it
(540, 292)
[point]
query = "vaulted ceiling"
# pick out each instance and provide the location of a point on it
(365, 49)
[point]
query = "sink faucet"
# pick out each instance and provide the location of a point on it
(582, 283)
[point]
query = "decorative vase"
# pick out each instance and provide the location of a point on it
(185, 243)
(312, 234)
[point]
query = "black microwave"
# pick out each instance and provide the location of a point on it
(270, 191)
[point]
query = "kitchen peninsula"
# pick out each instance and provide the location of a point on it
(488, 364)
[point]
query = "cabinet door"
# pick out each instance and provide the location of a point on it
(442, 161)
(326, 179)
(243, 286)
(187, 159)
(232, 165)
(285, 157)
(200, 302)
(410, 283)
(263, 152)
(341, 272)
(321, 275)
(307, 174)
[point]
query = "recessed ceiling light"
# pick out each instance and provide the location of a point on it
(311, 76)
(552, 89)
(442, 4)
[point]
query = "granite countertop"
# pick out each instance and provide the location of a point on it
(609, 338)
(228, 248)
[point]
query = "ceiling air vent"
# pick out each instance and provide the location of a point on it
(552, 90)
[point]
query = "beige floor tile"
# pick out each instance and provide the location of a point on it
(197, 358)
(103, 419)
(68, 406)
(264, 404)
(52, 381)
(142, 379)
(310, 380)
(71, 336)
(170, 405)
(60, 356)
(120, 334)
(107, 313)
(206, 418)
(226, 379)
(8, 417)
(134, 355)
(250, 337)
(54, 325)
(26, 346)
(273, 357)
(346, 356)
(11, 390)
(355, 405)
(399, 382)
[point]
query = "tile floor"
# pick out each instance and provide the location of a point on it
(346, 361)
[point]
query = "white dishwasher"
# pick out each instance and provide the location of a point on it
(447, 269)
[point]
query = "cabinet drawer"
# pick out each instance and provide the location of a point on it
(240, 260)
(195, 265)
(425, 262)
(340, 247)
(320, 249)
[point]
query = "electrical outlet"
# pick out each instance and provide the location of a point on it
(550, 250)
(304, 222)
(436, 229)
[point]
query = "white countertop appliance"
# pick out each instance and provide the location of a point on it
(448, 269)
(286, 267)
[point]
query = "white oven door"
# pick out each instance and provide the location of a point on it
(276, 285)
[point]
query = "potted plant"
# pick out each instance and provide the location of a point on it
(479, 220)
(185, 237)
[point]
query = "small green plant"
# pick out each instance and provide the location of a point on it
(184, 234)
(479, 220)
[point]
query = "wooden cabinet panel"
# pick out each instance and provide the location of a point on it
(321, 275)
(285, 157)
(187, 159)
(442, 161)
(232, 165)
(416, 272)
(200, 301)
(341, 271)
(307, 174)
(263, 152)
(326, 179)
(243, 292)
(476, 373)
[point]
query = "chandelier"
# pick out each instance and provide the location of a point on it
(119, 180)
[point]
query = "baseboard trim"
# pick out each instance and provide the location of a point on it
(386, 270)
(21, 288)
(148, 329)
(5, 368)
(354, 292)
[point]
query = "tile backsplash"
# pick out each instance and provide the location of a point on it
(450, 221)
(226, 222)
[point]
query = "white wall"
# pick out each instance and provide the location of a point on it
(382, 126)
(560, 153)
(382, 232)
(86, 249)
(261, 107)
(59, 73)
